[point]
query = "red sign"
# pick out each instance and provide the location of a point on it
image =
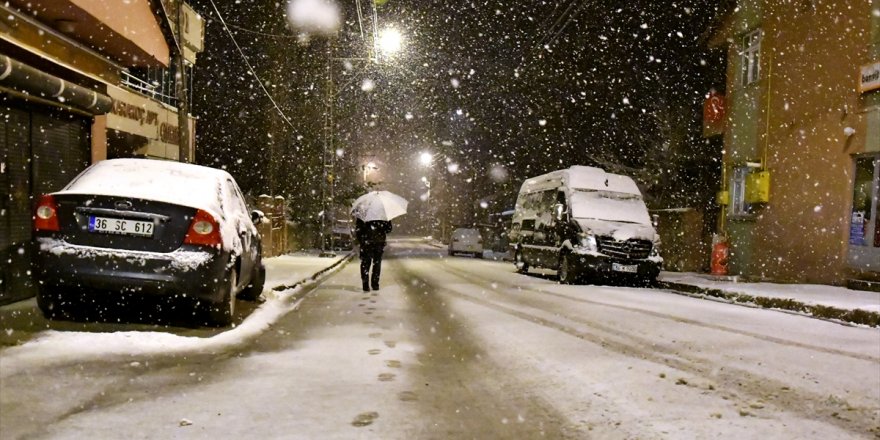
(714, 110)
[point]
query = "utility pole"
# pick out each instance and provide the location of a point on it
(183, 140)
(328, 157)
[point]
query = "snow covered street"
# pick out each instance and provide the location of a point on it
(451, 348)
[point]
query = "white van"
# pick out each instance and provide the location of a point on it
(466, 240)
(583, 221)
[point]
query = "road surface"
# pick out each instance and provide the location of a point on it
(459, 348)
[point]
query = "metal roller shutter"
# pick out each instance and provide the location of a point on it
(40, 153)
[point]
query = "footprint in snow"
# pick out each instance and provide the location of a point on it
(365, 419)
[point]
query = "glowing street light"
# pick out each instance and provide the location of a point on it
(390, 41)
(426, 158)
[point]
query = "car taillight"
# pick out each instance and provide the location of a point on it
(46, 215)
(203, 231)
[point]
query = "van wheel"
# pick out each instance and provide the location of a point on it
(566, 274)
(520, 262)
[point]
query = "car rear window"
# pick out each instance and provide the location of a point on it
(163, 181)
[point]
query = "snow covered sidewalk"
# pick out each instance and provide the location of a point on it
(29, 340)
(286, 271)
(821, 301)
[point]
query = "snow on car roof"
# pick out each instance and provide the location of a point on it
(163, 181)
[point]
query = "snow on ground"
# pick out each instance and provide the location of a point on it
(286, 270)
(650, 364)
(811, 294)
(58, 347)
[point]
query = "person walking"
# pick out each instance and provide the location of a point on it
(371, 237)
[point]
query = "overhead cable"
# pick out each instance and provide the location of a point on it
(250, 68)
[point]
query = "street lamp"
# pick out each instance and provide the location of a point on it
(390, 41)
(369, 168)
(426, 158)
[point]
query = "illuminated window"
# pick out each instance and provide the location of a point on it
(750, 57)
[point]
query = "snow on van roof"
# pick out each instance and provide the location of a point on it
(580, 177)
(163, 181)
(583, 177)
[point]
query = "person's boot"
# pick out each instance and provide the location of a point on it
(375, 284)
(366, 286)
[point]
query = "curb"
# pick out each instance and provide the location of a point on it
(314, 276)
(856, 316)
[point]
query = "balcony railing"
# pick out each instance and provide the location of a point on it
(158, 90)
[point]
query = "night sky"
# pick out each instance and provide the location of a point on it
(503, 90)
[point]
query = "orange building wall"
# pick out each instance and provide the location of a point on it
(802, 234)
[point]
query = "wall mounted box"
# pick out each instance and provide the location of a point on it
(758, 187)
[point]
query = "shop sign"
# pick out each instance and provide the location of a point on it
(869, 77)
(136, 114)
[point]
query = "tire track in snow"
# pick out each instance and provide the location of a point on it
(807, 404)
(461, 383)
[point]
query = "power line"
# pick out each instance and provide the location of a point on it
(361, 20)
(570, 19)
(250, 68)
(556, 23)
(265, 34)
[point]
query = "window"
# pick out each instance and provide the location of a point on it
(738, 205)
(750, 57)
(864, 229)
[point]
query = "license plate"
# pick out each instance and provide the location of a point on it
(120, 226)
(629, 268)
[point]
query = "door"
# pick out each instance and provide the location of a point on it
(864, 227)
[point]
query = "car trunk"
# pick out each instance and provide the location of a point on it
(147, 225)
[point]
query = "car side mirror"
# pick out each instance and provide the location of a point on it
(257, 216)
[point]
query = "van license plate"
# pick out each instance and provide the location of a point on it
(120, 226)
(629, 268)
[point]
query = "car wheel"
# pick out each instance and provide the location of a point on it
(566, 276)
(220, 313)
(520, 262)
(255, 288)
(451, 253)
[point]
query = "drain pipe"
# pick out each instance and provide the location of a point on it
(33, 82)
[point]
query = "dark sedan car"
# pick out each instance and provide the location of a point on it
(148, 227)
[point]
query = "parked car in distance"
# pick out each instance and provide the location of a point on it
(148, 227)
(466, 241)
(581, 222)
(340, 238)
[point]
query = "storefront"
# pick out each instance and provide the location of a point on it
(864, 228)
(41, 149)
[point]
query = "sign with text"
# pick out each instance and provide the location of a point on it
(141, 116)
(869, 77)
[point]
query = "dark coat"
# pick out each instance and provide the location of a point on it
(371, 233)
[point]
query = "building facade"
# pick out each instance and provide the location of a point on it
(802, 140)
(82, 81)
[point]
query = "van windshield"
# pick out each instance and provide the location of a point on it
(608, 205)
